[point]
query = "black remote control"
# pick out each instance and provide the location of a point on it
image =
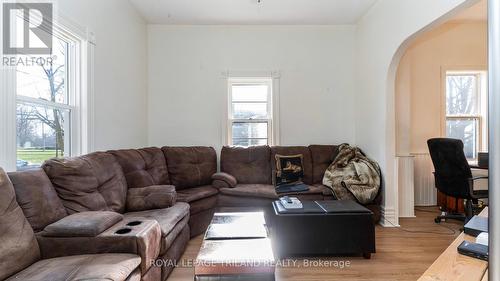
(474, 250)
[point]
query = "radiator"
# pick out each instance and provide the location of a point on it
(406, 187)
(425, 191)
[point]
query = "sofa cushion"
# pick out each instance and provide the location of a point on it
(113, 267)
(327, 192)
(294, 150)
(151, 197)
(92, 182)
(136, 276)
(251, 190)
(192, 194)
(167, 217)
(250, 203)
(322, 156)
(168, 240)
(83, 224)
(190, 166)
(143, 167)
(37, 197)
(173, 254)
(248, 165)
(268, 191)
(203, 204)
(199, 222)
(18, 246)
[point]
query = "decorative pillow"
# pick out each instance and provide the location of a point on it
(289, 169)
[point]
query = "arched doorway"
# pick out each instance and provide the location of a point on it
(457, 44)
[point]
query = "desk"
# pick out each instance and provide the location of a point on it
(452, 266)
(448, 203)
(475, 165)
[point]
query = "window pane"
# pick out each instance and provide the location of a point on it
(249, 110)
(250, 92)
(46, 81)
(465, 129)
(461, 95)
(40, 134)
(250, 130)
(249, 142)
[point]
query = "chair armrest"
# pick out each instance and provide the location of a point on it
(220, 180)
(143, 239)
(477, 194)
(83, 224)
(151, 197)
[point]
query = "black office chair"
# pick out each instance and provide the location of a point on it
(453, 176)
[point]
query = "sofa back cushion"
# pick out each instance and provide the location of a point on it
(322, 157)
(37, 197)
(190, 166)
(92, 182)
(249, 165)
(143, 167)
(294, 150)
(18, 246)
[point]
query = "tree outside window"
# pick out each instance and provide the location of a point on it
(44, 108)
(464, 119)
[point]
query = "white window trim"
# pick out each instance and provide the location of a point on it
(251, 81)
(83, 126)
(274, 76)
(482, 88)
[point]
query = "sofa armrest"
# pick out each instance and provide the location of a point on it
(221, 179)
(84, 224)
(151, 197)
(132, 236)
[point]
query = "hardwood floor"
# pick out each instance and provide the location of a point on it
(402, 254)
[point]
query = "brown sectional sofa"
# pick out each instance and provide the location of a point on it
(250, 172)
(21, 258)
(190, 170)
(142, 204)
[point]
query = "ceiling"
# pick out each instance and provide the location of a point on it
(279, 12)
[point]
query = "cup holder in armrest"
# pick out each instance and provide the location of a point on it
(134, 223)
(122, 231)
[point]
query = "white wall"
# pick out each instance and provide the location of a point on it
(382, 36)
(120, 99)
(443, 48)
(188, 95)
(420, 107)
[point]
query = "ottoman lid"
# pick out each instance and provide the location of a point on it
(342, 206)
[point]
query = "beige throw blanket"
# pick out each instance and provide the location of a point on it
(353, 176)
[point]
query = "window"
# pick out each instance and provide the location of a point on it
(47, 100)
(250, 112)
(466, 110)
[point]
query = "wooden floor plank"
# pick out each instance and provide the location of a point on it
(402, 254)
(485, 277)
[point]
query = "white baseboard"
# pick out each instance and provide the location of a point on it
(389, 217)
